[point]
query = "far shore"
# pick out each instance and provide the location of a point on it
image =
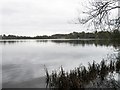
(53, 39)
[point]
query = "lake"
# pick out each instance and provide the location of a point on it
(25, 60)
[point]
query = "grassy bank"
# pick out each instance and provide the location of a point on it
(96, 75)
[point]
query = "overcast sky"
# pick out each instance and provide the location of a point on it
(39, 17)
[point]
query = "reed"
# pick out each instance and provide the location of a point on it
(82, 76)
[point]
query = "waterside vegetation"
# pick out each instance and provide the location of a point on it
(94, 76)
(115, 34)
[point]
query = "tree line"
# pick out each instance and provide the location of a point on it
(74, 35)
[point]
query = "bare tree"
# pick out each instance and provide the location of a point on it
(98, 14)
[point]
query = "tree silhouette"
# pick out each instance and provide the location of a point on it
(98, 14)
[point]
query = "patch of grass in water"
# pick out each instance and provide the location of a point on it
(82, 76)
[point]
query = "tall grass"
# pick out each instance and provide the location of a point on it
(82, 76)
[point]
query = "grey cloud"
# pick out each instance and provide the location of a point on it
(38, 16)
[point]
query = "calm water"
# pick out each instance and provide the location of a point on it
(24, 60)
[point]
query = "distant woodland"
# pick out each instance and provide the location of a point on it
(115, 34)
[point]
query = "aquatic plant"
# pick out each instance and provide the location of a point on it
(82, 76)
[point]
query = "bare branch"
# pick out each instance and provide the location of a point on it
(98, 13)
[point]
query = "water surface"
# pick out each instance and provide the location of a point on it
(24, 60)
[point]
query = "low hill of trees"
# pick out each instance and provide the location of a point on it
(75, 35)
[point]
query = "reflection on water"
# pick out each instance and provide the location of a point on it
(89, 42)
(23, 60)
(10, 41)
(45, 41)
(73, 42)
